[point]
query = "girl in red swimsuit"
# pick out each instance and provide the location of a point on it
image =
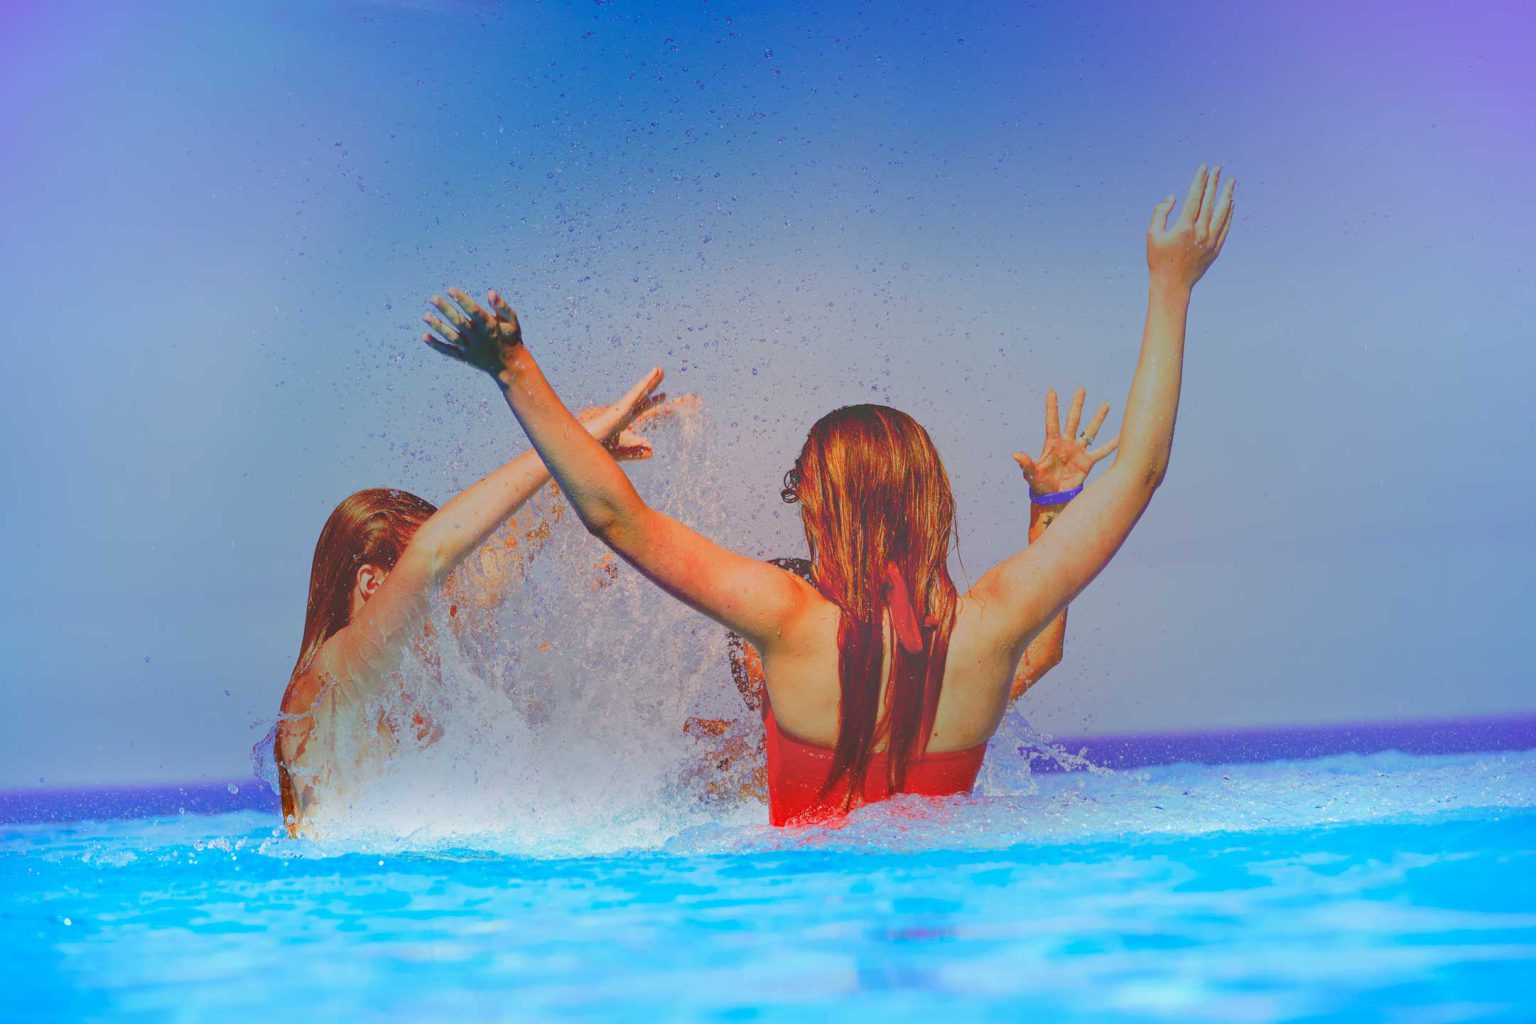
(881, 677)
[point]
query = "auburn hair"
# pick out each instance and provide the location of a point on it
(879, 515)
(371, 527)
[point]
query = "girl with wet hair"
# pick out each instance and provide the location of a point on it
(1054, 477)
(381, 556)
(881, 677)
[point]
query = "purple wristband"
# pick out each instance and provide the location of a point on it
(1058, 498)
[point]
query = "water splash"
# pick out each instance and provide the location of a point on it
(559, 686)
(564, 705)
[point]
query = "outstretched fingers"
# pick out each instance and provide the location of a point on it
(1098, 420)
(1208, 206)
(452, 313)
(1192, 199)
(503, 310)
(637, 395)
(1075, 411)
(470, 306)
(450, 336)
(1224, 215)
(629, 446)
(438, 345)
(1160, 214)
(661, 406)
(1052, 416)
(1104, 449)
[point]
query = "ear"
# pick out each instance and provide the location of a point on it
(369, 578)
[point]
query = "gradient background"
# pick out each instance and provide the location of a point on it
(219, 223)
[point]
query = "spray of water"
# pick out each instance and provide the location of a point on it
(568, 706)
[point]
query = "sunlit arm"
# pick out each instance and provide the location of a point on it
(751, 597)
(1031, 588)
(1061, 468)
(743, 593)
(1046, 650)
(363, 651)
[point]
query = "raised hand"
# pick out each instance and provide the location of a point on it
(472, 335)
(613, 424)
(1183, 252)
(466, 331)
(1067, 458)
(630, 444)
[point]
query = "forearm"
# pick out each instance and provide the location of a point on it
(592, 481)
(465, 521)
(1043, 654)
(509, 549)
(1146, 433)
(1045, 650)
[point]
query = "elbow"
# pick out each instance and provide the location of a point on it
(1038, 672)
(1141, 472)
(1150, 471)
(600, 522)
(1051, 661)
(605, 522)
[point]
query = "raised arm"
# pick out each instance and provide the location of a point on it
(1023, 593)
(1055, 477)
(749, 596)
(507, 553)
(359, 654)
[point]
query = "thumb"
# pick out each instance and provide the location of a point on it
(1027, 464)
(627, 446)
(1160, 214)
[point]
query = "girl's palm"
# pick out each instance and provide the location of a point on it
(1066, 458)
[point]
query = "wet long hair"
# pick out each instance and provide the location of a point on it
(879, 515)
(370, 527)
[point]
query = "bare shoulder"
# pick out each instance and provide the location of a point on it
(296, 713)
(977, 673)
(302, 694)
(807, 629)
(983, 628)
(800, 663)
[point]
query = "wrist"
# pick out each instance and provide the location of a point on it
(1169, 287)
(1050, 498)
(1041, 516)
(515, 362)
(511, 370)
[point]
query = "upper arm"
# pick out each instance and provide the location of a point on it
(364, 651)
(1027, 590)
(754, 598)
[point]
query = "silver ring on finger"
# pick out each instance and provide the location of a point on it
(1085, 437)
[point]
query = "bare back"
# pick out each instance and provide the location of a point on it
(801, 671)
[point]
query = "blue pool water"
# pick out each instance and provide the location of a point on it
(1381, 887)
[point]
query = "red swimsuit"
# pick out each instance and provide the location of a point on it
(798, 771)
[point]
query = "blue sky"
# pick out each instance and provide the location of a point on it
(218, 227)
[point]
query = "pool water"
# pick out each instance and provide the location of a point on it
(1388, 887)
